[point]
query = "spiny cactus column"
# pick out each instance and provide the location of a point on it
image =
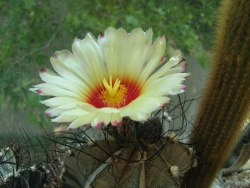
(226, 101)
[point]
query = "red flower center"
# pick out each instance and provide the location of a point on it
(116, 95)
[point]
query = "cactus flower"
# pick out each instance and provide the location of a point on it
(118, 75)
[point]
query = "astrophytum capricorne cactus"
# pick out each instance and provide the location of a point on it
(138, 157)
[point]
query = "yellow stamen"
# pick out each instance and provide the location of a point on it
(112, 90)
(114, 95)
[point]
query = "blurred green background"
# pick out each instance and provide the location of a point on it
(31, 30)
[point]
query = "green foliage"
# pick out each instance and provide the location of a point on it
(32, 30)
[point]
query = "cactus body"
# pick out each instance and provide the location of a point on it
(162, 164)
(136, 155)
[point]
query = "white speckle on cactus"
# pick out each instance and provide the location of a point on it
(62, 172)
(68, 152)
(174, 171)
(91, 142)
(172, 136)
(190, 151)
(33, 168)
(195, 163)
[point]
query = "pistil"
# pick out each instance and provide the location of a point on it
(112, 89)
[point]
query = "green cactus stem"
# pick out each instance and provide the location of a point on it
(225, 105)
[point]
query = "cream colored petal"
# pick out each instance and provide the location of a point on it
(111, 48)
(178, 69)
(148, 104)
(65, 72)
(109, 115)
(156, 53)
(53, 90)
(143, 106)
(76, 112)
(116, 119)
(109, 110)
(138, 49)
(72, 63)
(64, 118)
(34, 89)
(123, 48)
(101, 119)
(139, 116)
(89, 55)
(177, 91)
(52, 78)
(173, 61)
(69, 106)
(66, 109)
(163, 85)
(58, 101)
(89, 108)
(132, 112)
(82, 120)
(97, 57)
(52, 112)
